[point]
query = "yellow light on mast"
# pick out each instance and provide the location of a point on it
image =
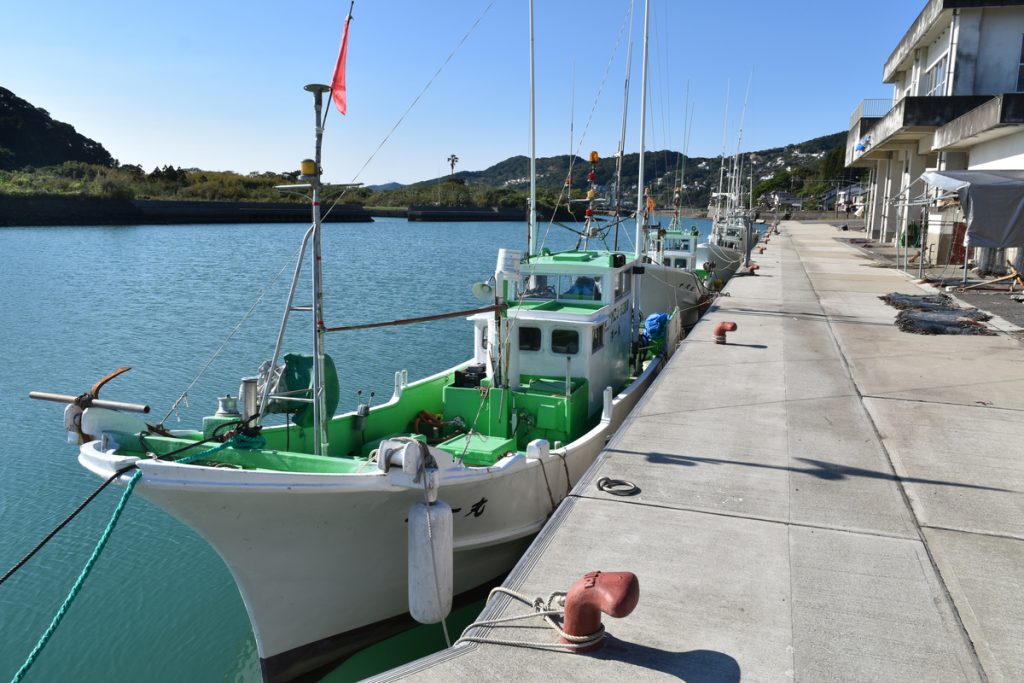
(308, 167)
(594, 157)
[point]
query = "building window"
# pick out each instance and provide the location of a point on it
(598, 339)
(565, 341)
(529, 339)
(1020, 68)
(935, 78)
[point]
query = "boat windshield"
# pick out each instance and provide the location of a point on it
(563, 287)
(677, 244)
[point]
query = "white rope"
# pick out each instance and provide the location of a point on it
(553, 606)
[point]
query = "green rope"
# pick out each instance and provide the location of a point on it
(238, 440)
(81, 580)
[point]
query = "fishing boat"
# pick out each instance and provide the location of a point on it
(336, 528)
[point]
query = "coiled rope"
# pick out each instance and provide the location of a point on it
(238, 440)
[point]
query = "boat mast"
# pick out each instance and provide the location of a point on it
(532, 238)
(622, 135)
(640, 216)
(721, 165)
(319, 329)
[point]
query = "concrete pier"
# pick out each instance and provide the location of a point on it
(824, 498)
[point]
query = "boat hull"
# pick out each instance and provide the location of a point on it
(320, 560)
(727, 260)
(680, 288)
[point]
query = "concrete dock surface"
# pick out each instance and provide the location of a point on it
(824, 498)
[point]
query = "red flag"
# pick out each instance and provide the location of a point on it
(338, 91)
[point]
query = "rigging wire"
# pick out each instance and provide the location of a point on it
(184, 395)
(586, 127)
(408, 109)
(425, 88)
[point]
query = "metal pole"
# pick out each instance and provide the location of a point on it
(265, 398)
(622, 135)
(639, 246)
(922, 240)
(320, 445)
(532, 246)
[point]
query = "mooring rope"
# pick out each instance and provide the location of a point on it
(238, 440)
(553, 606)
(80, 581)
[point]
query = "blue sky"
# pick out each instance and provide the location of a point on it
(218, 85)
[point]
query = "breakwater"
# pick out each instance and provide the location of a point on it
(37, 211)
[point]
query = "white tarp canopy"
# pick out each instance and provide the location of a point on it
(993, 202)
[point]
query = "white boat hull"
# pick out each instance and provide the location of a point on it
(319, 556)
(727, 260)
(681, 288)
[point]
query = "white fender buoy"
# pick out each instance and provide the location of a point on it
(430, 561)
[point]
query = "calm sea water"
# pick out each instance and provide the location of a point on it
(76, 303)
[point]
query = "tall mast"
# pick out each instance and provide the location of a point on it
(319, 406)
(622, 135)
(738, 164)
(533, 149)
(639, 246)
(721, 166)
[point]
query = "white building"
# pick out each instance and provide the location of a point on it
(958, 104)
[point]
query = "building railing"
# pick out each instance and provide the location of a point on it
(870, 108)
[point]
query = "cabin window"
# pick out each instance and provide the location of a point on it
(529, 339)
(1020, 68)
(598, 338)
(680, 263)
(540, 287)
(623, 283)
(579, 287)
(565, 342)
(666, 261)
(483, 337)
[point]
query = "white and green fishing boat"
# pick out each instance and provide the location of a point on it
(336, 527)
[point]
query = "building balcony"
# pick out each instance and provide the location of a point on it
(1000, 116)
(911, 122)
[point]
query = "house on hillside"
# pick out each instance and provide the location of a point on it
(839, 198)
(957, 105)
(779, 200)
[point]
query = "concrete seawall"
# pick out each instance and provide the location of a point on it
(97, 211)
(824, 498)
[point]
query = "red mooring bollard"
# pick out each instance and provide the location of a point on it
(721, 329)
(753, 268)
(613, 593)
(760, 250)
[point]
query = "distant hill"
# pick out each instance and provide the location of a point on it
(660, 169)
(30, 137)
(41, 156)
